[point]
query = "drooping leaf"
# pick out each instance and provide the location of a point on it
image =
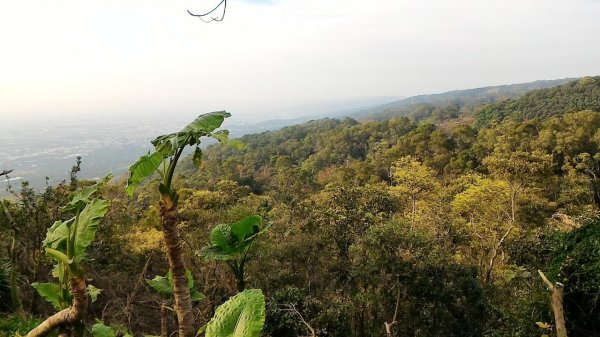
(161, 284)
(243, 315)
(101, 330)
(223, 137)
(144, 167)
(93, 292)
(50, 292)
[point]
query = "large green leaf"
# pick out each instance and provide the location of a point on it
(161, 285)
(144, 167)
(56, 237)
(79, 200)
(221, 236)
(89, 219)
(203, 125)
(50, 292)
(246, 227)
(164, 285)
(216, 253)
(243, 315)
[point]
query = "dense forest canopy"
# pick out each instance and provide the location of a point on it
(437, 224)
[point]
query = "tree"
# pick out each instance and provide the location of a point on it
(412, 178)
(169, 149)
(520, 170)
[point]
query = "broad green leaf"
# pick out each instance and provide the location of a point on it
(89, 219)
(93, 292)
(206, 123)
(161, 284)
(101, 330)
(56, 237)
(243, 315)
(203, 125)
(144, 167)
(50, 292)
(221, 236)
(216, 253)
(79, 200)
(246, 227)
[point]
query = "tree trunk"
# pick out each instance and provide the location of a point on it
(181, 291)
(556, 290)
(66, 317)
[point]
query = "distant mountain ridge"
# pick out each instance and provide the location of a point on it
(462, 101)
(578, 95)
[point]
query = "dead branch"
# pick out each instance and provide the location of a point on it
(292, 308)
(212, 18)
(488, 275)
(556, 291)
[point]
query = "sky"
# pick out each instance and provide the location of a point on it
(270, 59)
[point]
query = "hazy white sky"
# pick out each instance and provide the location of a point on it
(118, 58)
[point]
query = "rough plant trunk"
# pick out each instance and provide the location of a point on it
(556, 290)
(66, 318)
(181, 291)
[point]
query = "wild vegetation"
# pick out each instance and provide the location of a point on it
(351, 228)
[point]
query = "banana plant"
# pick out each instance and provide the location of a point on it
(168, 150)
(243, 315)
(231, 244)
(66, 243)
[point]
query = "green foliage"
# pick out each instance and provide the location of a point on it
(66, 243)
(164, 285)
(171, 146)
(16, 326)
(51, 292)
(582, 94)
(231, 243)
(243, 315)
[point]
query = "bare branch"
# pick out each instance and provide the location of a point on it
(545, 279)
(5, 172)
(292, 308)
(208, 14)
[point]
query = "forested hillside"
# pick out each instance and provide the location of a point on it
(574, 96)
(423, 229)
(453, 103)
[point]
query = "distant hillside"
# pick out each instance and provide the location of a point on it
(453, 103)
(582, 94)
